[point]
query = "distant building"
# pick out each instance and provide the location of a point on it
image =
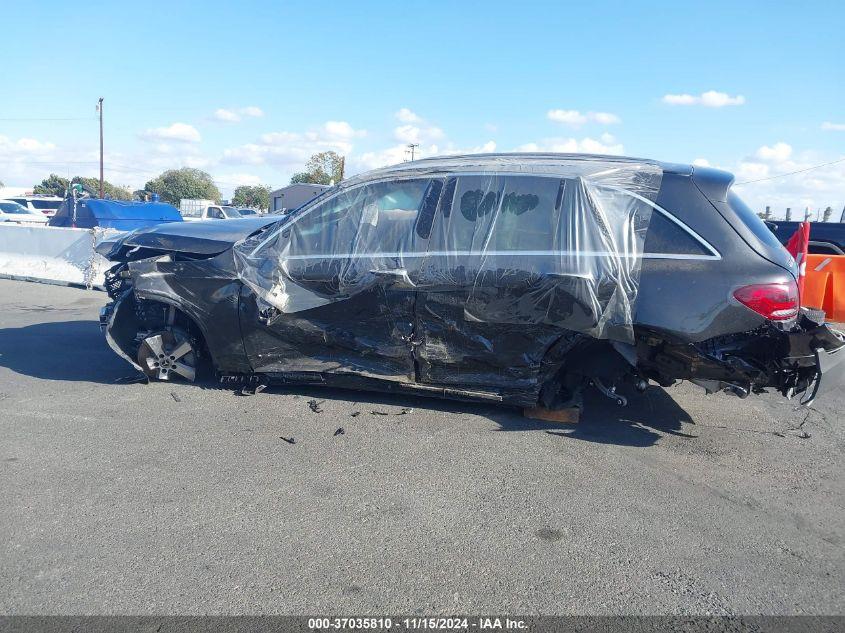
(293, 196)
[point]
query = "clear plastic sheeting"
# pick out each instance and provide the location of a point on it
(517, 239)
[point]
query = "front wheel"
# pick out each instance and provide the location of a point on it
(168, 353)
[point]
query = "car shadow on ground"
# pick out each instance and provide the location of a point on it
(77, 351)
(647, 417)
(642, 422)
(63, 350)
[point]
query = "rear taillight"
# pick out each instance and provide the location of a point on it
(776, 302)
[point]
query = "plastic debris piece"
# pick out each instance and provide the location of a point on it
(289, 440)
(315, 406)
(340, 431)
(132, 380)
(355, 414)
(404, 411)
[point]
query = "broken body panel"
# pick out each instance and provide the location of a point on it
(497, 320)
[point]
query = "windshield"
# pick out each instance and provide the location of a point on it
(12, 207)
(50, 205)
(231, 212)
(247, 211)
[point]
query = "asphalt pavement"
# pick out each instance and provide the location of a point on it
(188, 499)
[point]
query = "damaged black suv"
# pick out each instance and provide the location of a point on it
(519, 278)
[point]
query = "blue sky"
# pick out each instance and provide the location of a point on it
(248, 90)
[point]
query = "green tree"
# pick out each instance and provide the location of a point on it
(176, 184)
(114, 192)
(321, 169)
(53, 185)
(257, 197)
(827, 213)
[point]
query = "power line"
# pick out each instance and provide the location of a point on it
(790, 173)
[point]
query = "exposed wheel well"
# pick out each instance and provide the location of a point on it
(152, 315)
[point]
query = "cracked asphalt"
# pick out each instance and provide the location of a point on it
(186, 499)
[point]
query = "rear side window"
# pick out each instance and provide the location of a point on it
(498, 213)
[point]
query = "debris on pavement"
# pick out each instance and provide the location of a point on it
(135, 379)
(175, 397)
(315, 406)
(289, 440)
(340, 431)
(404, 411)
(250, 390)
(355, 414)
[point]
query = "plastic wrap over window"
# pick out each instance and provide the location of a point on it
(537, 239)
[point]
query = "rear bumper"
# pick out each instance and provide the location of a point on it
(803, 361)
(830, 370)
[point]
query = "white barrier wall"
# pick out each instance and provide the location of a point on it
(52, 254)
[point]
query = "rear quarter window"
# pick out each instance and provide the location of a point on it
(753, 222)
(665, 237)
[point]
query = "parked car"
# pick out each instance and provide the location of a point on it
(46, 205)
(826, 238)
(518, 278)
(212, 212)
(13, 212)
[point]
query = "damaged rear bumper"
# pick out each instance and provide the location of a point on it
(830, 369)
(804, 360)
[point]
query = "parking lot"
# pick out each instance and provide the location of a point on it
(177, 498)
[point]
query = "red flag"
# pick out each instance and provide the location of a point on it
(797, 247)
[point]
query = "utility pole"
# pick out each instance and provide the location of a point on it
(100, 109)
(411, 148)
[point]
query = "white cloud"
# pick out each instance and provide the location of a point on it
(233, 116)
(605, 118)
(585, 145)
(236, 180)
(405, 115)
(778, 152)
(10, 148)
(709, 99)
(816, 189)
(834, 127)
(221, 114)
(342, 129)
(701, 162)
(491, 127)
(290, 150)
(575, 118)
(181, 132)
(415, 129)
(399, 153)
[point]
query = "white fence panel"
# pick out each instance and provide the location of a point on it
(52, 254)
